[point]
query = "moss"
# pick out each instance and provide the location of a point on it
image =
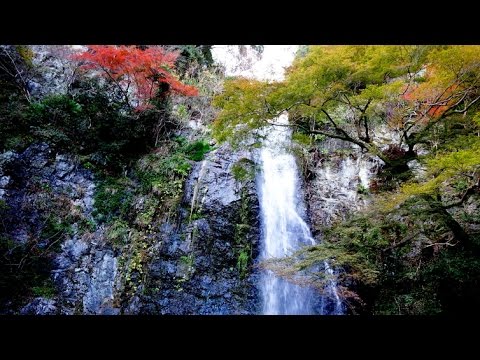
(55, 230)
(22, 269)
(146, 216)
(3, 205)
(241, 235)
(196, 215)
(196, 151)
(188, 260)
(242, 261)
(46, 290)
(112, 199)
(118, 233)
(362, 190)
(243, 170)
(86, 225)
(26, 53)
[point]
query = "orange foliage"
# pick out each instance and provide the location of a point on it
(434, 99)
(146, 69)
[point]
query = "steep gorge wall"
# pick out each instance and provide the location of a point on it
(194, 262)
(198, 269)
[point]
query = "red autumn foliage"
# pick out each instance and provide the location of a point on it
(145, 69)
(435, 100)
(432, 110)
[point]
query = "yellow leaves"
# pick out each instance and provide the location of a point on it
(243, 102)
(450, 69)
(440, 170)
(455, 60)
(476, 118)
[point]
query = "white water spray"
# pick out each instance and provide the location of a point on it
(283, 228)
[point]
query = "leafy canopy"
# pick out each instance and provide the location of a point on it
(146, 70)
(344, 92)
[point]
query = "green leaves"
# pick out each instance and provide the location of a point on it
(326, 78)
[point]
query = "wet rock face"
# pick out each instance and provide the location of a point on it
(340, 182)
(39, 182)
(196, 271)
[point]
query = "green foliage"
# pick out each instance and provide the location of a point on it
(86, 224)
(322, 79)
(303, 139)
(362, 190)
(242, 262)
(459, 167)
(3, 205)
(243, 170)
(46, 290)
(189, 54)
(146, 216)
(196, 151)
(112, 199)
(89, 124)
(14, 126)
(118, 233)
(242, 109)
(196, 215)
(55, 108)
(56, 229)
(187, 260)
(22, 269)
(241, 235)
(107, 138)
(164, 173)
(396, 262)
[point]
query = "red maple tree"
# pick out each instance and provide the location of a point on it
(144, 71)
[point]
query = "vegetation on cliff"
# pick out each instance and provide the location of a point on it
(414, 250)
(123, 116)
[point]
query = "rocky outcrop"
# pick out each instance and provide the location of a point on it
(339, 182)
(49, 199)
(85, 274)
(195, 266)
(54, 70)
(197, 269)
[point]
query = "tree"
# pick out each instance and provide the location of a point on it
(145, 71)
(345, 92)
(16, 67)
(451, 85)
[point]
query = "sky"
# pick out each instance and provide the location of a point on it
(269, 67)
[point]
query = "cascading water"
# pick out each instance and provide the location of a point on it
(283, 228)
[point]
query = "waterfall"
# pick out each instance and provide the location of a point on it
(284, 230)
(283, 227)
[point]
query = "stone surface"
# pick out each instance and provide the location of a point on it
(85, 268)
(55, 70)
(196, 271)
(40, 306)
(339, 182)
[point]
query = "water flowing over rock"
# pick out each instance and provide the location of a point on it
(284, 230)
